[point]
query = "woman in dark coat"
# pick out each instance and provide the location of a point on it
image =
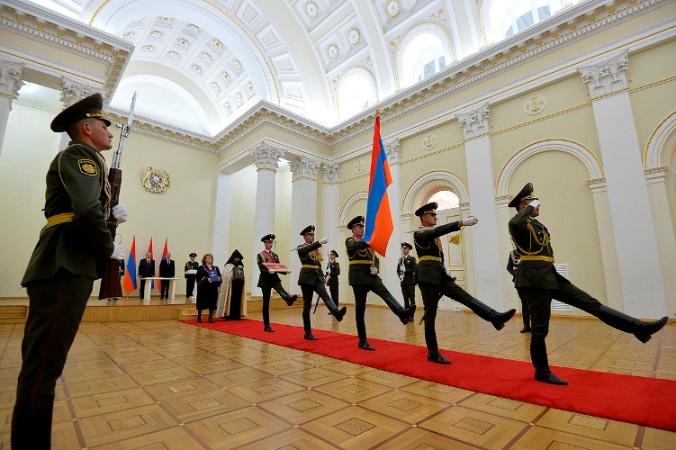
(208, 280)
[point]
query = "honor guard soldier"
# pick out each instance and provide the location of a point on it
(537, 280)
(190, 277)
(332, 272)
(434, 280)
(270, 280)
(363, 277)
(73, 250)
(311, 279)
(406, 272)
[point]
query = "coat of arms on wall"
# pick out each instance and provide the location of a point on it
(155, 180)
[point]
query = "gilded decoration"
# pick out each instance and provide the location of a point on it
(535, 105)
(359, 167)
(430, 141)
(155, 180)
(393, 8)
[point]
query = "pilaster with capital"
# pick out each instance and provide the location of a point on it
(304, 167)
(330, 173)
(10, 83)
(606, 76)
(266, 158)
(488, 263)
(330, 200)
(388, 264)
(393, 151)
(643, 289)
(474, 121)
(73, 90)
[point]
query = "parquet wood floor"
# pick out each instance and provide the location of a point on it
(168, 385)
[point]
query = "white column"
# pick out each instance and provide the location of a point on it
(10, 83)
(304, 212)
(641, 278)
(73, 91)
(221, 235)
(388, 264)
(330, 207)
(488, 264)
(266, 157)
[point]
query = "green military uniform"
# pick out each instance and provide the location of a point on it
(364, 280)
(434, 281)
(406, 272)
(332, 274)
(512, 264)
(268, 281)
(190, 279)
(71, 253)
(537, 280)
(311, 280)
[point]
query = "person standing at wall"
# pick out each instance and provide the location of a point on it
(311, 279)
(332, 273)
(231, 303)
(71, 253)
(190, 277)
(406, 271)
(537, 280)
(167, 270)
(209, 280)
(363, 277)
(146, 268)
(269, 280)
(434, 280)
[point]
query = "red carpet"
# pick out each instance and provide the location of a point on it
(640, 400)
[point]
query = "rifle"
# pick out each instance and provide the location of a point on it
(316, 304)
(110, 282)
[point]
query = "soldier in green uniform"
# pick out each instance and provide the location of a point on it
(537, 280)
(406, 271)
(434, 280)
(332, 273)
(270, 280)
(190, 278)
(363, 277)
(311, 279)
(71, 253)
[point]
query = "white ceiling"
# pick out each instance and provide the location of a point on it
(200, 65)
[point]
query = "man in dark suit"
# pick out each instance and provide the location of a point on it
(72, 252)
(406, 271)
(363, 277)
(167, 270)
(311, 279)
(146, 268)
(268, 281)
(434, 280)
(537, 280)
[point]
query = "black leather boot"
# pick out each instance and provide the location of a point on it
(436, 357)
(199, 316)
(499, 319)
(289, 299)
(339, 313)
(487, 313)
(211, 316)
(645, 330)
(404, 314)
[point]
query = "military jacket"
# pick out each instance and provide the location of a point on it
(267, 279)
(75, 184)
(332, 272)
(410, 265)
(311, 264)
(191, 265)
(431, 268)
(532, 243)
(362, 258)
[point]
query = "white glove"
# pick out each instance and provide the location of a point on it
(117, 252)
(120, 213)
(535, 203)
(374, 271)
(468, 222)
(324, 241)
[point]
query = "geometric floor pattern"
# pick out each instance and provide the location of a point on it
(165, 384)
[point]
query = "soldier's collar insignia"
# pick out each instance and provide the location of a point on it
(88, 167)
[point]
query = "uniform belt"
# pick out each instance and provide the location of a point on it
(361, 261)
(309, 266)
(537, 258)
(60, 218)
(429, 258)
